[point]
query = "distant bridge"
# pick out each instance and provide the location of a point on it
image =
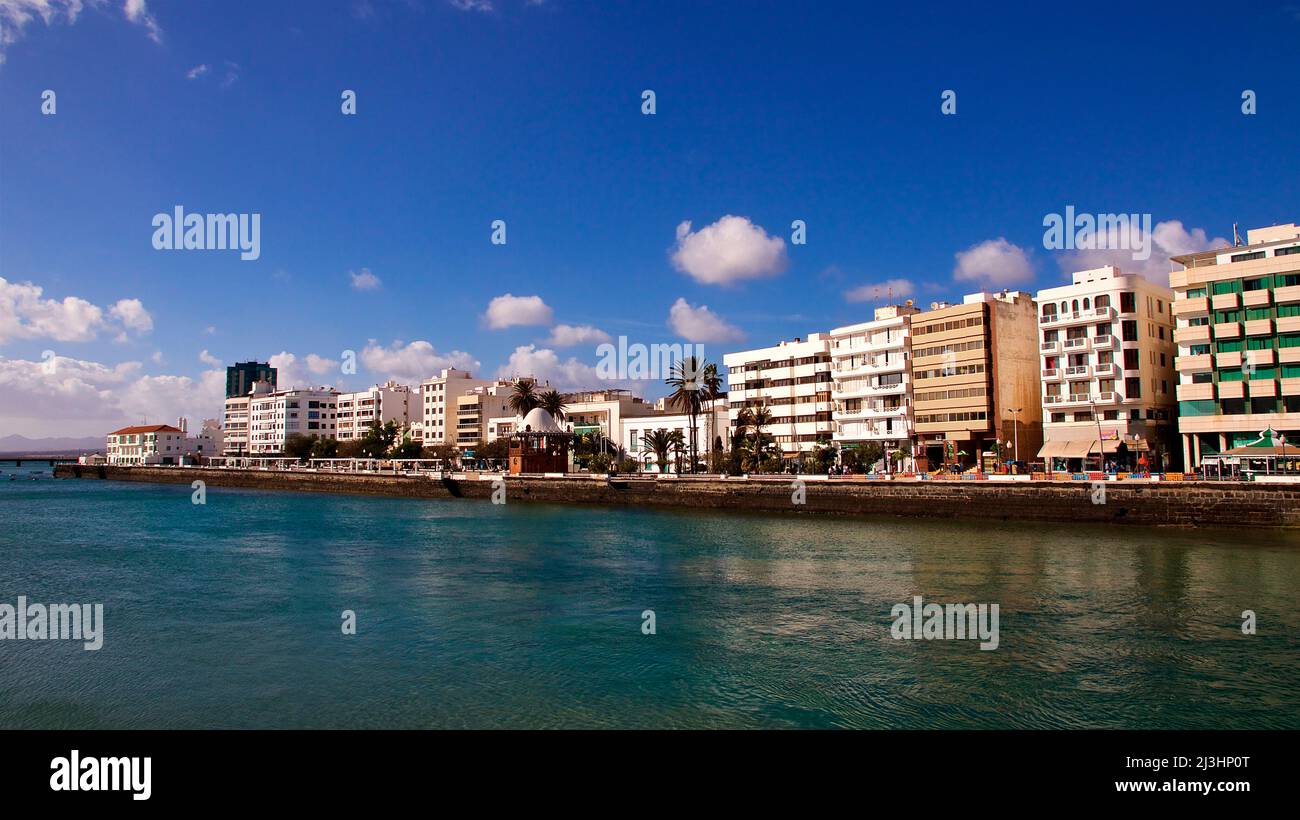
(17, 461)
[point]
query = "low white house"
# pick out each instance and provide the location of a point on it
(146, 444)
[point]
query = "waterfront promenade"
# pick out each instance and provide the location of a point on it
(1134, 502)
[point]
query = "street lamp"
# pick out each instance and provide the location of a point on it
(1015, 430)
(1101, 463)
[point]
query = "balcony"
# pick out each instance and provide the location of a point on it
(1225, 301)
(1232, 390)
(1108, 397)
(1231, 359)
(1227, 330)
(1262, 388)
(1259, 358)
(1195, 306)
(1287, 295)
(1106, 342)
(1288, 324)
(1259, 327)
(1195, 392)
(1196, 334)
(1288, 355)
(1049, 347)
(1079, 371)
(1193, 364)
(1256, 298)
(1290, 387)
(1075, 344)
(1052, 374)
(1107, 370)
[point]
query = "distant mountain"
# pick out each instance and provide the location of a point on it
(59, 445)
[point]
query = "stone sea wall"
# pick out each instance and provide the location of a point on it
(1188, 504)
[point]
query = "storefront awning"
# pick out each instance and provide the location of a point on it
(1066, 448)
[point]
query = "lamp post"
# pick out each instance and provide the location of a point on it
(1101, 455)
(1015, 430)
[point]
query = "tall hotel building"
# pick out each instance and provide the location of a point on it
(975, 380)
(872, 390)
(1238, 335)
(438, 403)
(793, 381)
(1107, 350)
(274, 415)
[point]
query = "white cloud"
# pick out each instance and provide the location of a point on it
(82, 398)
(291, 371)
(210, 330)
(472, 5)
(137, 12)
(197, 71)
(210, 360)
(509, 310)
(26, 314)
(414, 362)
(1167, 239)
(545, 364)
(730, 250)
(888, 289)
(319, 365)
(157, 357)
(571, 335)
(132, 315)
(364, 280)
(993, 262)
(699, 324)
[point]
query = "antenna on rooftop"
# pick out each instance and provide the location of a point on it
(1236, 237)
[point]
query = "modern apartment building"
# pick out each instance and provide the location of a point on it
(793, 380)
(475, 407)
(145, 444)
(438, 403)
(382, 403)
(872, 393)
(241, 375)
(1237, 314)
(274, 415)
(234, 424)
(975, 380)
(1107, 363)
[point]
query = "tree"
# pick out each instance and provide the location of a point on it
(869, 453)
(679, 447)
(524, 397)
(495, 450)
(325, 448)
(446, 452)
(407, 449)
(658, 442)
(687, 381)
(298, 446)
(378, 439)
(553, 403)
(350, 449)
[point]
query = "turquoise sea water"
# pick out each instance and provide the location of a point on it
(475, 615)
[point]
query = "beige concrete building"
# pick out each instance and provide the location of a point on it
(438, 403)
(1237, 314)
(234, 426)
(793, 380)
(475, 407)
(975, 380)
(872, 393)
(382, 403)
(1107, 364)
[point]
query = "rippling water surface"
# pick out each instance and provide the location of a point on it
(474, 615)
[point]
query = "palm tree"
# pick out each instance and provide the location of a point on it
(658, 442)
(760, 440)
(679, 446)
(524, 397)
(688, 394)
(553, 403)
(712, 386)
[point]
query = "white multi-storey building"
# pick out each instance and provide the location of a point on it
(871, 362)
(234, 426)
(438, 403)
(274, 415)
(793, 381)
(145, 444)
(382, 403)
(1107, 350)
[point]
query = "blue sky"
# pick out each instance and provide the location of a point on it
(530, 112)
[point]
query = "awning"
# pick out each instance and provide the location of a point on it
(1066, 448)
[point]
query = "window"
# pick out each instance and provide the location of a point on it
(1287, 251)
(1127, 302)
(1133, 388)
(1229, 286)
(1129, 330)
(1246, 257)
(1258, 283)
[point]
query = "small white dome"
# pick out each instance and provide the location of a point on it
(540, 421)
